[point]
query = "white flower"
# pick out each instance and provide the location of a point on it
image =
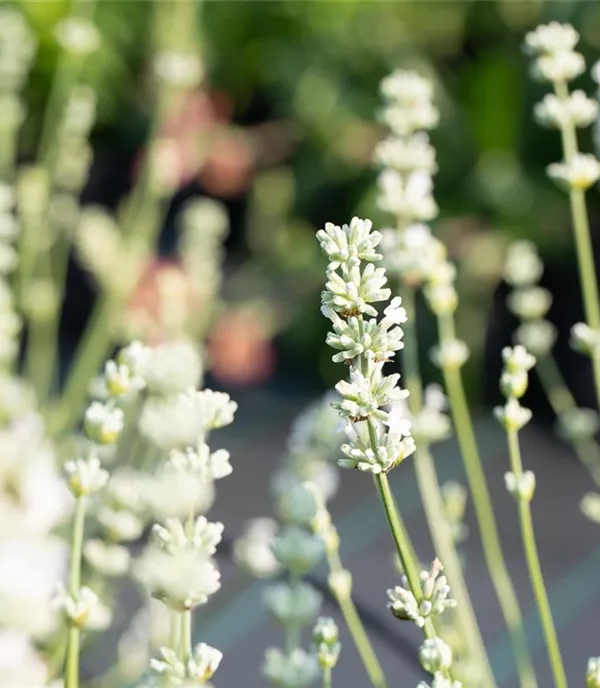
(551, 38)
(530, 303)
(32, 567)
(173, 494)
(349, 244)
(136, 357)
(297, 550)
(406, 155)
(390, 450)
(435, 655)
(581, 172)
(442, 298)
(211, 466)
(178, 68)
(83, 609)
(296, 669)
(373, 340)
(407, 196)
(413, 253)
(215, 408)
(297, 503)
(585, 339)
(86, 476)
(523, 266)
(435, 598)
(173, 367)
(20, 665)
(517, 359)
(514, 384)
(103, 423)
(522, 486)
(108, 559)
(293, 605)
(364, 396)
(120, 381)
(183, 579)
(576, 110)
(450, 354)
(253, 549)
(78, 36)
(352, 294)
(538, 336)
(592, 676)
(203, 537)
(326, 642)
(512, 415)
(590, 506)
(199, 668)
(120, 524)
(405, 87)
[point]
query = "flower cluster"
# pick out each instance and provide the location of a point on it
(408, 162)
(433, 599)
(195, 671)
(553, 48)
(326, 642)
(366, 345)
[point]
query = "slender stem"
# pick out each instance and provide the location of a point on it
(73, 641)
(431, 496)
(186, 636)
(356, 628)
(402, 542)
(488, 528)
(535, 570)
(327, 678)
(583, 241)
(562, 401)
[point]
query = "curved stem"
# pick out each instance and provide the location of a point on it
(488, 528)
(535, 570)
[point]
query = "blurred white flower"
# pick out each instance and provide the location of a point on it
(20, 665)
(108, 559)
(103, 423)
(407, 196)
(252, 550)
(551, 38)
(296, 669)
(85, 476)
(78, 36)
(178, 68)
(576, 110)
(581, 172)
(173, 367)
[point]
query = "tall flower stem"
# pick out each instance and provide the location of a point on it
(535, 571)
(562, 401)
(73, 641)
(355, 626)
(484, 512)
(429, 489)
(327, 678)
(583, 241)
(402, 542)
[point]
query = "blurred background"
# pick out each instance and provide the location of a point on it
(282, 132)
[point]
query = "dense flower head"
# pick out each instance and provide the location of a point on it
(196, 671)
(349, 244)
(390, 450)
(297, 550)
(203, 536)
(85, 476)
(577, 109)
(326, 642)
(253, 550)
(353, 293)
(413, 253)
(580, 172)
(293, 604)
(551, 38)
(183, 579)
(406, 155)
(523, 266)
(407, 196)
(364, 396)
(171, 367)
(295, 669)
(434, 597)
(530, 303)
(201, 461)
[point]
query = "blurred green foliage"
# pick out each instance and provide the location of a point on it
(316, 65)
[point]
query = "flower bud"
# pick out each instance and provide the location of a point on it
(512, 415)
(451, 354)
(85, 476)
(340, 583)
(520, 487)
(103, 423)
(435, 655)
(514, 384)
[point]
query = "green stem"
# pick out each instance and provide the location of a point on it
(327, 678)
(429, 489)
(402, 542)
(73, 641)
(356, 628)
(535, 571)
(186, 636)
(583, 241)
(562, 401)
(486, 522)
